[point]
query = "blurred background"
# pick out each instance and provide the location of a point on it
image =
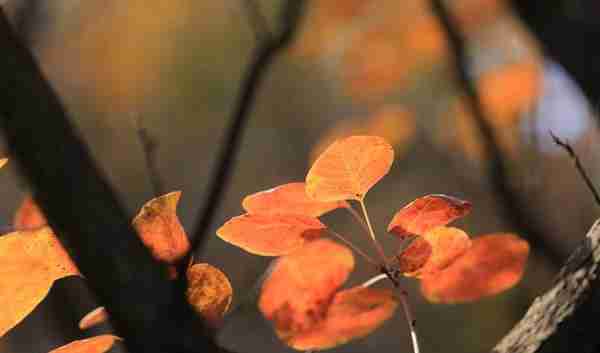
(356, 67)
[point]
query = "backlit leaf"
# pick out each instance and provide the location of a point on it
(349, 168)
(93, 318)
(394, 123)
(494, 263)
(96, 344)
(3, 162)
(160, 230)
(353, 313)
(209, 292)
(29, 215)
(298, 292)
(427, 212)
(288, 199)
(30, 262)
(414, 257)
(270, 235)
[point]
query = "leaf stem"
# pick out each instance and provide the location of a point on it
(410, 319)
(371, 233)
(354, 247)
(359, 219)
(374, 280)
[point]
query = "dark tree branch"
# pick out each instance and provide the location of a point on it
(569, 32)
(149, 311)
(149, 147)
(588, 182)
(565, 318)
(512, 206)
(263, 55)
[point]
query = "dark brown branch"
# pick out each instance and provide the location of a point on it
(567, 147)
(512, 206)
(149, 147)
(565, 318)
(262, 56)
(149, 311)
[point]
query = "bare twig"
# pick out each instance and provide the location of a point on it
(565, 144)
(564, 318)
(514, 209)
(263, 55)
(257, 21)
(149, 146)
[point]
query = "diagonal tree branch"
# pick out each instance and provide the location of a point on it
(513, 207)
(263, 55)
(565, 318)
(149, 311)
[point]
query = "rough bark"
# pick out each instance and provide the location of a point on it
(565, 318)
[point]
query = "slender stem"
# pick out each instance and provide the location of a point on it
(371, 233)
(410, 319)
(354, 247)
(374, 280)
(359, 219)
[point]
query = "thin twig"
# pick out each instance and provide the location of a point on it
(374, 280)
(354, 247)
(512, 205)
(410, 320)
(565, 144)
(149, 146)
(263, 55)
(372, 234)
(359, 219)
(257, 21)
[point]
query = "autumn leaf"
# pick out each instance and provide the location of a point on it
(438, 248)
(96, 344)
(427, 212)
(394, 123)
(270, 235)
(296, 295)
(353, 313)
(494, 263)
(29, 215)
(160, 230)
(288, 199)
(30, 262)
(3, 162)
(209, 292)
(349, 168)
(93, 318)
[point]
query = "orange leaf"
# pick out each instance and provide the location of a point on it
(30, 262)
(93, 318)
(493, 264)
(353, 313)
(29, 215)
(296, 295)
(160, 229)
(427, 212)
(96, 344)
(209, 292)
(270, 235)
(349, 168)
(3, 162)
(414, 257)
(288, 199)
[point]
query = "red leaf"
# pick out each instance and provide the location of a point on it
(427, 212)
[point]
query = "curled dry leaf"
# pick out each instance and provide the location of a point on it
(93, 318)
(435, 250)
(427, 212)
(298, 292)
(353, 313)
(160, 230)
(29, 215)
(288, 199)
(349, 168)
(96, 344)
(30, 262)
(209, 292)
(493, 264)
(270, 235)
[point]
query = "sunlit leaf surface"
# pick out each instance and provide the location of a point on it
(349, 168)
(96, 344)
(93, 318)
(29, 215)
(209, 292)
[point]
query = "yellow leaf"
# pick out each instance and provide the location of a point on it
(96, 344)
